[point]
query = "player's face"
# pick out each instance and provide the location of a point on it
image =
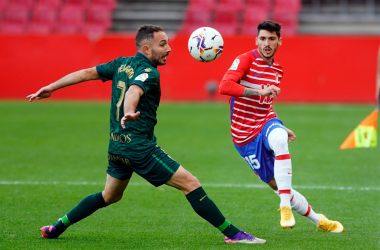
(160, 48)
(267, 43)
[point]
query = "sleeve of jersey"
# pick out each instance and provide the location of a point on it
(146, 81)
(107, 70)
(229, 84)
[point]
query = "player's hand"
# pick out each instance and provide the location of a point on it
(129, 117)
(272, 90)
(291, 135)
(44, 92)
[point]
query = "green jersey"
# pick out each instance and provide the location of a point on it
(138, 136)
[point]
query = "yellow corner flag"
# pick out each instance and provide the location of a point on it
(364, 135)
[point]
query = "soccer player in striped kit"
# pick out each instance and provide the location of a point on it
(259, 136)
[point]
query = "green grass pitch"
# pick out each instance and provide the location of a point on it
(54, 154)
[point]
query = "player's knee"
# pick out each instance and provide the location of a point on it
(110, 198)
(278, 141)
(190, 183)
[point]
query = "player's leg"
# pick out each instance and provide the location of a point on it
(206, 208)
(112, 193)
(118, 176)
(298, 203)
(278, 142)
(301, 206)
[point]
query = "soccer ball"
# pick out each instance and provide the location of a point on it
(205, 44)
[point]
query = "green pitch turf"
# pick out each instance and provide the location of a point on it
(54, 154)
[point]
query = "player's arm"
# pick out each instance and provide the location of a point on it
(230, 86)
(230, 82)
(70, 79)
(131, 99)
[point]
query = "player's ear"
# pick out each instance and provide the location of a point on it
(256, 41)
(280, 41)
(146, 49)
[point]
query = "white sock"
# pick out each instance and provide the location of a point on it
(278, 142)
(300, 205)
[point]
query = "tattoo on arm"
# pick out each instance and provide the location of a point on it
(250, 92)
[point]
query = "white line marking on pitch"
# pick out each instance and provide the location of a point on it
(85, 183)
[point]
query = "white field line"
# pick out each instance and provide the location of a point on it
(220, 185)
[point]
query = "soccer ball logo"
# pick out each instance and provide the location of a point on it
(205, 44)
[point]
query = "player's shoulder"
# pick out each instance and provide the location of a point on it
(242, 60)
(247, 57)
(147, 71)
(122, 60)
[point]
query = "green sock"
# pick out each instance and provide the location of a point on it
(85, 208)
(207, 209)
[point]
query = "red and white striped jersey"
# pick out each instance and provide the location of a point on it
(249, 114)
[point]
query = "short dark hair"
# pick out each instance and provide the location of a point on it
(270, 26)
(146, 32)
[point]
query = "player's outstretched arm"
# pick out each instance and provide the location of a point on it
(132, 98)
(70, 79)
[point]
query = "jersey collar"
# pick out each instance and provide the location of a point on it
(257, 55)
(138, 54)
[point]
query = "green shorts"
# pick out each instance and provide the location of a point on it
(157, 167)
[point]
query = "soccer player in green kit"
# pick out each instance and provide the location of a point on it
(132, 144)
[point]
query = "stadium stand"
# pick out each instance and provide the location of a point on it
(80, 4)
(3, 4)
(263, 5)
(105, 4)
(52, 4)
(195, 19)
(25, 4)
(296, 16)
(206, 5)
(43, 21)
(56, 16)
(71, 19)
(232, 5)
(226, 21)
(286, 12)
(251, 18)
(340, 17)
(97, 21)
(15, 20)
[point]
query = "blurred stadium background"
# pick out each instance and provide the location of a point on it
(330, 46)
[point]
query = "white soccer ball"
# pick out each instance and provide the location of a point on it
(205, 44)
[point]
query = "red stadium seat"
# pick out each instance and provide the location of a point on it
(76, 3)
(293, 6)
(205, 5)
(4, 4)
(195, 19)
(226, 21)
(26, 4)
(15, 20)
(252, 17)
(232, 5)
(71, 20)
(53, 4)
(43, 20)
(288, 21)
(264, 5)
(106, 4)
(98, 20)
